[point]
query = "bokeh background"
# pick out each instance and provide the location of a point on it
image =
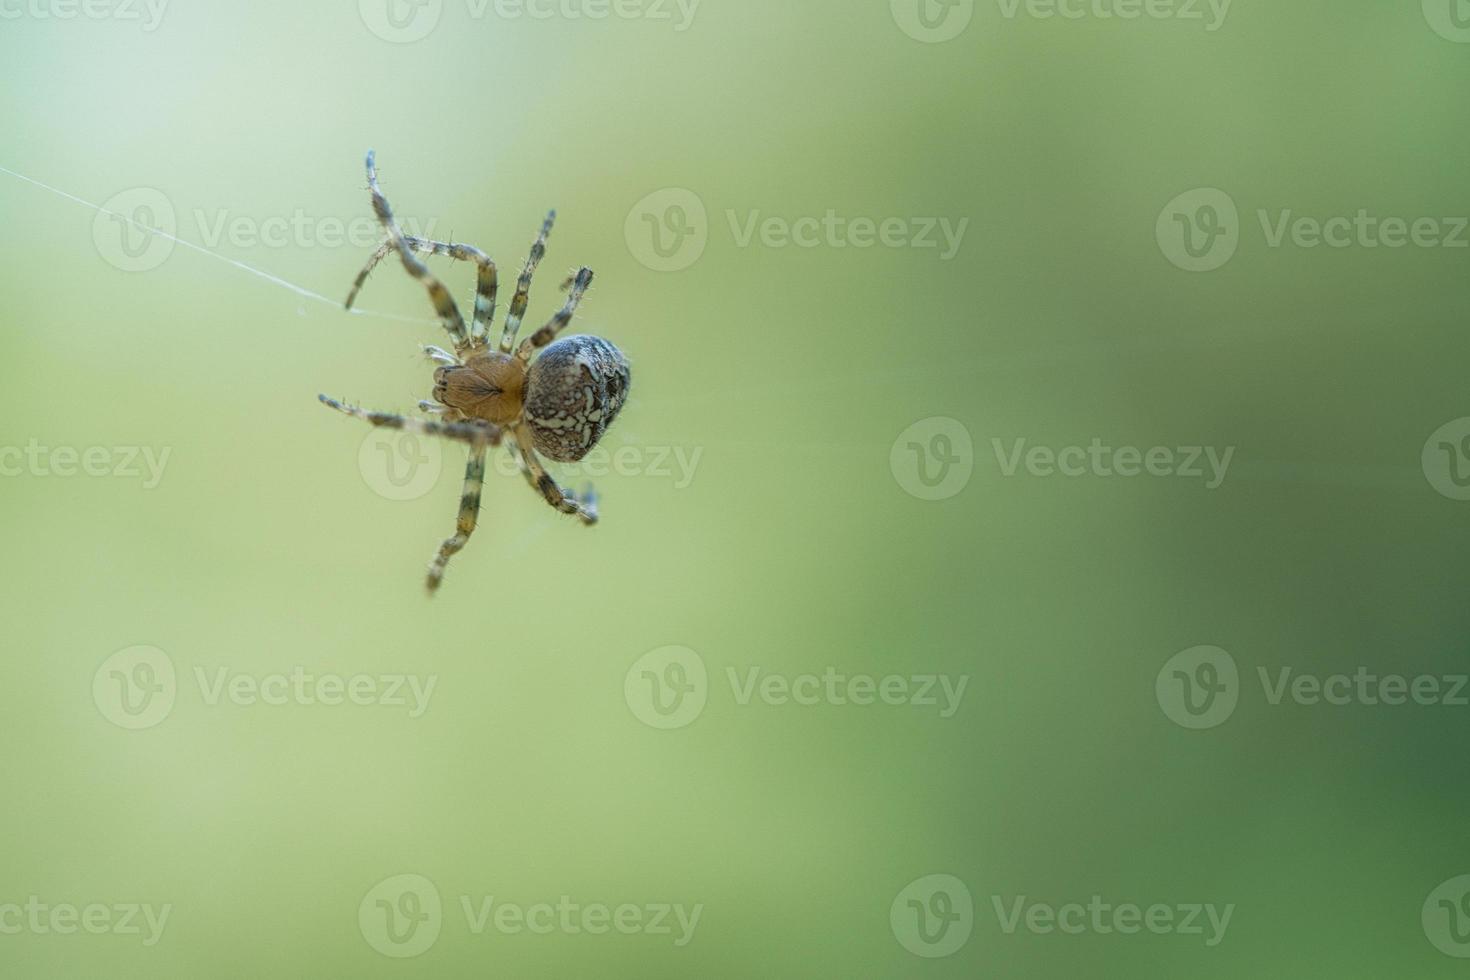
(842, 506)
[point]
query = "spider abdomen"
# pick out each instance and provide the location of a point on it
(574, 390)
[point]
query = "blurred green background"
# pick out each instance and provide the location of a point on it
(797, 382)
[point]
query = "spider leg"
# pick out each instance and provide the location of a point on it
(362, 277)
(487, 281)
(440, 356)
(449, 314)
(469, 512)
(473, 433)
(563, 317)
(541, 481)
(523, 286)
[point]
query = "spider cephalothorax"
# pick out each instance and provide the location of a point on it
(567, 397)
(558, 405)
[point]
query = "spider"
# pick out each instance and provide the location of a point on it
(558, 405)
